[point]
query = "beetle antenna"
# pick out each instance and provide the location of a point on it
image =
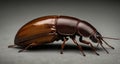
(111, 38)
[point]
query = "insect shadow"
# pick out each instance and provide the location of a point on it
(57, 46)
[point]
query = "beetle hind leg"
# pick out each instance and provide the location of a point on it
(12, 46)
(32, 44)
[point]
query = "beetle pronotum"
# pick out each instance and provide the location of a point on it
(53, 28)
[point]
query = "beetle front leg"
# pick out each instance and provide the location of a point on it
(86, 42)
(107, 44)
(103, 46)
(93, 48)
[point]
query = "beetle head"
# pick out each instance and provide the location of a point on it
(95, 38)
(98, 38)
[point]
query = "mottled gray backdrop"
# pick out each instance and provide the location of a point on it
(103, 14)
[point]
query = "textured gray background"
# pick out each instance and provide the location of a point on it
(104, 15)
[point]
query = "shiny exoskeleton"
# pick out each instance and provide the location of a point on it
(52, 28)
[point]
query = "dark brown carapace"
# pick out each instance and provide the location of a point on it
(53, 28)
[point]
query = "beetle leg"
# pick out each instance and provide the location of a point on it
(107, 44)
(32, 44)
(12, 46)
(63, 44)
(103, 46)
(98, 44)
(92, 47)
(78, 46)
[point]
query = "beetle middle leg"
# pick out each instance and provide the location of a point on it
(73, 38)
(63, 44)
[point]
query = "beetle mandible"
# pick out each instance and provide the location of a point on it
(52, 28)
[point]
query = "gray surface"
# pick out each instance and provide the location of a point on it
(104, 15)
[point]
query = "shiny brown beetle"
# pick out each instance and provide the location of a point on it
(53, 28)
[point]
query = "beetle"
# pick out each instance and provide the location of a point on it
(48, 29)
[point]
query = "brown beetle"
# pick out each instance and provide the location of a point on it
(53, 28)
